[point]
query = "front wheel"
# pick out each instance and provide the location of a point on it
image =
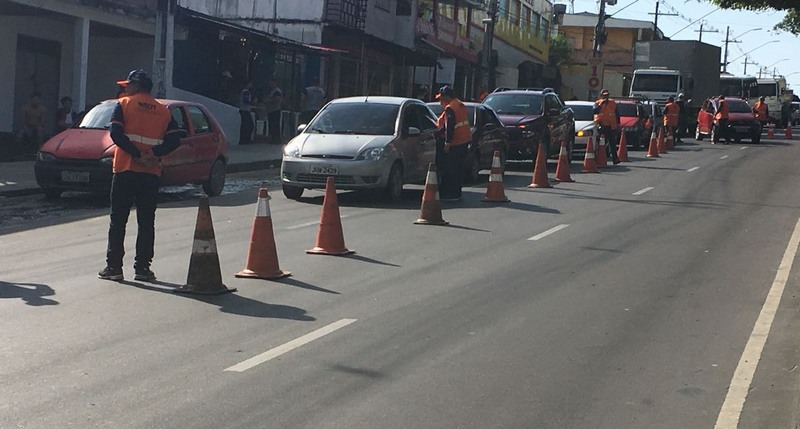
(292, 192)
(756, 139)
(394, 186)
(216, 179)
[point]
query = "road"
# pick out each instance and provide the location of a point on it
(624, 300)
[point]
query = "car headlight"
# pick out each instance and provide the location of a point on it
(107, 160)
(371, 154)
(291, 151)
(584, 133)
(45, 157)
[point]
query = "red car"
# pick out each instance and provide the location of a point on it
(79, 159)
(633, 120)
(743, 123)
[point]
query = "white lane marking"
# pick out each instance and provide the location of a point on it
(693, 169)
(550, 231)
(642, 191)
(291, 345)
(743, 148)
(316, 222)
(731, 409)
(724, 157)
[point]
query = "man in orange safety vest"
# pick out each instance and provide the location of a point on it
(606, 116)
(457, 135)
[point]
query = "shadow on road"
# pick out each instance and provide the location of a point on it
(231, 302)
(31, 293)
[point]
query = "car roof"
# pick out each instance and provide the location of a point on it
(466, 103)
(579, 103)
(375, 99)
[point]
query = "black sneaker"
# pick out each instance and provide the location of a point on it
(109, 273)
(144, 275)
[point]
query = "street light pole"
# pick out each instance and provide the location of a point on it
(488, 38)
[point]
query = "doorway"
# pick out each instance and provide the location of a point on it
(38, 69)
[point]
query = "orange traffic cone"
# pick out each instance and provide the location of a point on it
(770, 131)
(788, 132)
(660, 144)
(330, 238)
(562, 169)
(600, 154)
(670, 143)
(589, 163)
(262, 256)
(204, 276)
(622, 150)
(652, 148)
(431, 211)
(495, 191)
(540, 179)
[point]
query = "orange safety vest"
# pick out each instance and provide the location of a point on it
(146, 121)
(722, 110)
(461, 133)
(760, 110)
(608, 114)
(671, 112)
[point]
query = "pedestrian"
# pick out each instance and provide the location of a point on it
(422, 93)
(722, 121)
(273, 106)
(761, 110)
(683, 119)
(65, 117)
(606, 116)
(786, 113)
(143, 131)
(671, 115)
(311, 100)
(246, 125)
(33, 114)
(457, 135)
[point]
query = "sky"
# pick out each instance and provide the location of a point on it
(782, 56)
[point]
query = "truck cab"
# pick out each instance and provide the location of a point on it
(658, 84)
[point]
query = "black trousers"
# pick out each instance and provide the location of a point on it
(452, 162)
(129, 188)
(723, 131)
(246, 128)
(274, 119)
(612, 137)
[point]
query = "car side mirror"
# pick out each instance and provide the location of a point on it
(301, 128)
(413, 131)
(553, 112)
(489, 127)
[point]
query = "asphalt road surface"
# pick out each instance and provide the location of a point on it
(657, 294)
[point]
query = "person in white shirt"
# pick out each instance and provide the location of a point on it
(311, 100)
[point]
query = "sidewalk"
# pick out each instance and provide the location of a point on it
(17, 177)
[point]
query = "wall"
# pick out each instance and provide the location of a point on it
(103, 74)
(260, 9)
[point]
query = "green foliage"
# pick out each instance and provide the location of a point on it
(560, 50)
(790, 23)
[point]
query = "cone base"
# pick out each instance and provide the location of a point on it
(565, 180)
(430, 222)
(536, 185)
(653, 156)
(495, 200)
(250, 274)
(189, 289)
(321, 251)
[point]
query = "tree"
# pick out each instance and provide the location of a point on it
(560, 50)
(790, 23)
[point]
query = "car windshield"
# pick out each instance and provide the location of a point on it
(655, 83)
(582, 113)
(377, 119)
(99, 117)
(738, 106)
(515, 104)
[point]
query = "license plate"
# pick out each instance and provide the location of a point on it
(327, 170)
(75, 176)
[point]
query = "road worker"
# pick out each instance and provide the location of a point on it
(143, 131)
(761, 111)
(722, 122)
(683, 119)
(671, 114)
(457, 135)
(606, 116)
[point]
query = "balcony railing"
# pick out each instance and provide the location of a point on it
(347, 13)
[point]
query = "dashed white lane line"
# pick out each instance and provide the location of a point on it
(291, 345)
(743, 148)
(642, 191)
(731, 409)
(723, 157)
(550, 231)
(316, 222)
(693, 169)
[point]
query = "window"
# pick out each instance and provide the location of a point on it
(515, 12)
(545, 29)
(426, 121)
(535, 23)
(179, 118)
(551, 102)
(410, 119)
(526, 19)
(403, 8)
(199, 120)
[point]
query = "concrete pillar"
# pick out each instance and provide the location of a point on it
(80, 63)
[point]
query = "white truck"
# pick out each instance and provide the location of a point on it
(773, 89)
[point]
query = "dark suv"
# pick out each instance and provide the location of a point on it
(533, 116)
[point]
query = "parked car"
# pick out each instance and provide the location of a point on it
(79, 158)
(488, 135)
(533, 117)
(585, 127)
(365, 143)
(633, 117)
(795, 112)
(741, 119)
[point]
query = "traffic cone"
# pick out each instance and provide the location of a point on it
(589, 163)
(622, 150)
(770, 131)
(330, 238)
(660, 144)
(205, 277)
(600, 154)
(562, 169)
(540, 179)
(495, 191)
(652, 148)
(262, 256)
(670, 143)
(788, 132)
(431, 211)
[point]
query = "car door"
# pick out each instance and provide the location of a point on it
(408, 145)
(704, 117)
(175, 169)
(427, 138)
(205, 140)
(555, 121)
(491, 134)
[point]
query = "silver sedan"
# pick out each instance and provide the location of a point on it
(365, 143)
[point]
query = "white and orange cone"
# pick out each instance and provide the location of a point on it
(431, 211)
(495, 191)
(262, 256)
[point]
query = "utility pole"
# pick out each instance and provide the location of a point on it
(655, 23)
(488, 80)
(727, 40)
(701, 31)
(745, 65)
(600, 30)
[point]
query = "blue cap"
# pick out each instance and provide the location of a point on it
(138, 75)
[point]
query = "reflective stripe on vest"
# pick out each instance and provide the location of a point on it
(144, 140)
(461, 131)
(607, 116)
(146, 121)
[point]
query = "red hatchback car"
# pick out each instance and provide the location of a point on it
(743, 123)
(79, 159)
